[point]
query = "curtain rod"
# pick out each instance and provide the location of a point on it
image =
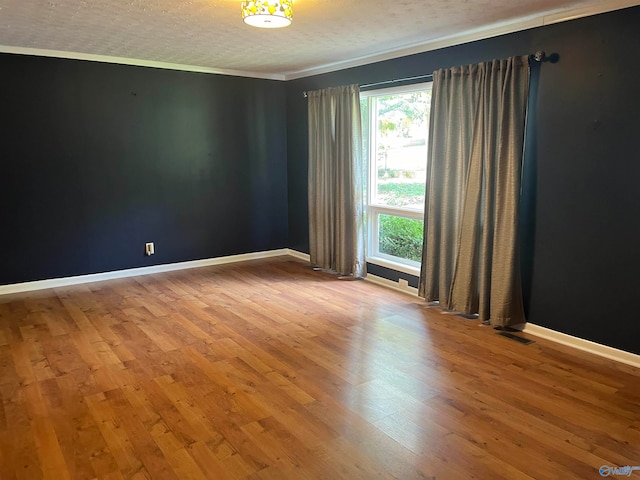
(396, 80)
(538, 56)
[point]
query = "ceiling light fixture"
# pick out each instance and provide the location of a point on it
(267, 13)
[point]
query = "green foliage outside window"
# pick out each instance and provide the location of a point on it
(401, 237)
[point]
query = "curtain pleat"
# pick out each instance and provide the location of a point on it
(470, 255)
(336, 186)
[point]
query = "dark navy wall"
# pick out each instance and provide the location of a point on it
(97, 159)
(581, 197)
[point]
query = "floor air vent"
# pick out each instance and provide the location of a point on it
(511, 336)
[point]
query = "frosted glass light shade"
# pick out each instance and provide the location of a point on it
(267, 13)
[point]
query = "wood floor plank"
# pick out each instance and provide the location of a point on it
(74, 425)
(48, 447)
(18, 454)
(114, 435)
(269, 370)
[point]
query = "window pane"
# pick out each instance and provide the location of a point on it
(401, 149)
(396, 131)
(400, 237)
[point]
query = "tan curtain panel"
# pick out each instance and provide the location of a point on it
(470, 258)
(336, 181)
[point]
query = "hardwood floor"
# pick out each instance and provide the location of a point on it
(269, 370)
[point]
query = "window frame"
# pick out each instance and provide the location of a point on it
(374, 210)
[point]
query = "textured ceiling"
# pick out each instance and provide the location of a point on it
(210, 33)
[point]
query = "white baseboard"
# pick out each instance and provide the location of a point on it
(132, 272)
(391, 284)
(584, 345)
(611, 353)
(370, 278)
(604, 351)
(302, 256)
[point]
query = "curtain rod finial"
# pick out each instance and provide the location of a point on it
(539, 56)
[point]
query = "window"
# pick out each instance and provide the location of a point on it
(396, 127)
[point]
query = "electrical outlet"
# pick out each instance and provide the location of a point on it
(149, 248)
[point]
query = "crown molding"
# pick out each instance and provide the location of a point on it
(603, 7)
(494, 30)
(435, 44)
(503, 28)
(38, 52)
